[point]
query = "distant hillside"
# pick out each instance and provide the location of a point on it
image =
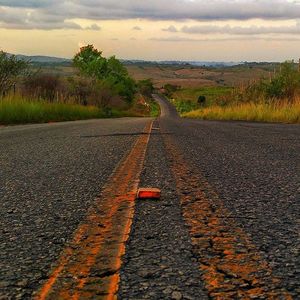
(44, 59)
(182, 63)
(50, 61)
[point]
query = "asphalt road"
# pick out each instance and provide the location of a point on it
(50, 175)
(254, 168)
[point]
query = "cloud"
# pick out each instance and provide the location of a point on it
(18, 18)
(239, 30)
(137, 28)
(241, 38)
(28, 3)
(38, 14)
(171, 28)
(93, 27)
(191, 9)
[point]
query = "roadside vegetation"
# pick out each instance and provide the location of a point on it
(272, 99)
(146, 89)
(260, 112)
(21, 111)
(100, 88)
(186, 100)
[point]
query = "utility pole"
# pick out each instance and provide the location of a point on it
(299, 65)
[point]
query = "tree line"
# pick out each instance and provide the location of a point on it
(98, 81)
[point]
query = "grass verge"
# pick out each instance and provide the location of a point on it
(154, 109)
(262, 112)
(210, 93)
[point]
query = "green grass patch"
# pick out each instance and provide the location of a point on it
(192, 94)
(186, 100)
(19, 111)
(183, 106)
(262, 112)
(154, 109)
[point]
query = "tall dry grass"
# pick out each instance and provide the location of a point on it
(285, 111)
(19, 110)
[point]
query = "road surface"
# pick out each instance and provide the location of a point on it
(226, 227)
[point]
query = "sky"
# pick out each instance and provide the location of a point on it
(214, 30)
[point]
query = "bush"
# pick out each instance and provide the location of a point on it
(146, 87)
(43, 87)
(285, 84)
(11, 69)
(170, 89)
(80, 89)
(201, 100)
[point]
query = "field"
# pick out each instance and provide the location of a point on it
(214, 83)
(220, 87)
(194, 77)
(186, 76)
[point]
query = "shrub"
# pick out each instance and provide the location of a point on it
(80, 89)
(170, 89)
(42, 86)
(146, 87)
(11, 69)
(201, 100)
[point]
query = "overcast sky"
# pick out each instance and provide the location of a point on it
(227, 30)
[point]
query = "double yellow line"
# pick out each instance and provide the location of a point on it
(89, 266)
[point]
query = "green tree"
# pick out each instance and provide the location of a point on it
(109, 72)
(90, 62)
(11, 69)
(146, 87)
(285, 83)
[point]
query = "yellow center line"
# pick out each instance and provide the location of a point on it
(231, 265)
(90, 264)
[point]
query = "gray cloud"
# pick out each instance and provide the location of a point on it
(239, 30)
(197, 9)
(28, 3)
(171, 28)
(40, 13)
(137, 28)
(93, 27)
(18, 18)
(241, 38)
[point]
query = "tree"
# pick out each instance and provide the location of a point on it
(146, 87)
(170, 89)
(285, 83)
(90, 62)
(11, 68)
(109, 72)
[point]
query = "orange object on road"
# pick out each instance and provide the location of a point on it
(148, 193)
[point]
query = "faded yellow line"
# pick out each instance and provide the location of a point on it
(231, 265)
(90, 265)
